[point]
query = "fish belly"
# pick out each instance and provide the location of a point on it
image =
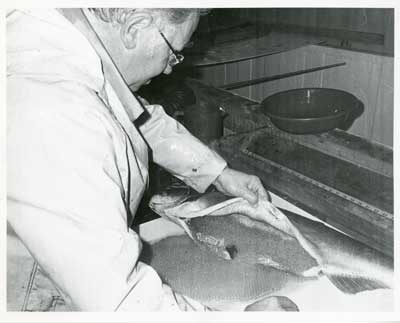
(265, 261)
(201, 275)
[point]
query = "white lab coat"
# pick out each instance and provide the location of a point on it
(77, 165)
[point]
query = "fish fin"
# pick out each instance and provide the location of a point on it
(354, 285)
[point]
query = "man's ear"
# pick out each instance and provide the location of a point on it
(133, 24)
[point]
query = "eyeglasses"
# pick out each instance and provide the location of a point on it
(176, 57)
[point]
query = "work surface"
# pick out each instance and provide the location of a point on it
(319, 295)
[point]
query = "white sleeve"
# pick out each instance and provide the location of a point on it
(174, 148)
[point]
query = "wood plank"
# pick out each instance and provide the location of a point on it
(344, 176)
(354, 149)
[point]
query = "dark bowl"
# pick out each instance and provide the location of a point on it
(311, 110)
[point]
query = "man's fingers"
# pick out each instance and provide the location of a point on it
(250, 196)
(235, 183)
(257, 187)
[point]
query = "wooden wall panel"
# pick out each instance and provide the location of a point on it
(361, 78)
(389, 32)
(382, 126)
(291, 62)
(272, 67)
(231, 73)
(258, 70)
(313, 58)
(277, 64)
(244, 73)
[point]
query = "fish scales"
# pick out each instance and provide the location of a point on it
(199, 274)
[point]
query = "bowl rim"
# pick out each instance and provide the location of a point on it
(309, 88)
(324, 118)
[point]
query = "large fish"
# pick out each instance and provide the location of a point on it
(268, 256)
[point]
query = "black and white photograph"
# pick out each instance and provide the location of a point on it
(211, 159)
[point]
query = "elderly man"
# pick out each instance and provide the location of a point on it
(78, 165)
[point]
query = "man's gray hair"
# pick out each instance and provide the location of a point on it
(174, 16)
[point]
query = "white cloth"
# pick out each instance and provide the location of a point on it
(77, 166)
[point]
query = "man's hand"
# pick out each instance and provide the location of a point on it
(238, 184)
(273, 303)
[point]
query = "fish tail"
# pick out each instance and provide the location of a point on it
(355, 284)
